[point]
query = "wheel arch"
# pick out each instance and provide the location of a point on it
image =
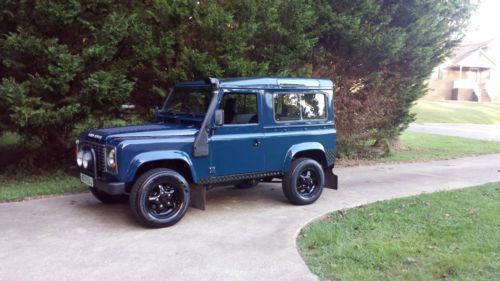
(313, 150)
(175, 160)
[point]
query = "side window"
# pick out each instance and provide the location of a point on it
(286, 107)
(313, 106)
(240, 108)
(295, 107)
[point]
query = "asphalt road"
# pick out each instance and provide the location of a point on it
(243, 234)
(474, 131)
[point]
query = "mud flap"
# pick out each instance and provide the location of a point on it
(198, 194)
(331, 180)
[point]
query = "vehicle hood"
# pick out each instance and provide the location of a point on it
(158, 130)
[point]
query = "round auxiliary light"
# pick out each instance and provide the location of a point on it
(79, 158)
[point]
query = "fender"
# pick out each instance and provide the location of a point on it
(296, 148)
(150, 156)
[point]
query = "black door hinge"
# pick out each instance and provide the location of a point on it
(211, 170)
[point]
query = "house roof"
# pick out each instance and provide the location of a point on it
(472, 54)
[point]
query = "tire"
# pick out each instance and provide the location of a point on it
(247, 184)
(107, 198)
(159, 198)
(303, 182)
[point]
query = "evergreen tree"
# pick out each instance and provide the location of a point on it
(69, 65)
(379, 54)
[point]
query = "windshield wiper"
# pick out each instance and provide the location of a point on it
(178, 113)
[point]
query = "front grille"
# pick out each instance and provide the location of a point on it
(100, 153)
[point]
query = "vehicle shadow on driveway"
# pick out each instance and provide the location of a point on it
(219, 200)
(263, 194)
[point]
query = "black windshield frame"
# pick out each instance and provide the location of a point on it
(188, 101)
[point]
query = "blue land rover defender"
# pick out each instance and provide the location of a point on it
(215, 132)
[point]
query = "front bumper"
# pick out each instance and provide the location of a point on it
(112, 188)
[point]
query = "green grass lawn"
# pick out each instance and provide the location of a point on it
(457, 112)
(452, 235)
(424, 147)
(22, 187)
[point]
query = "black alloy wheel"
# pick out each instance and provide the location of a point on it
(303, 182)
(163, 200)
(307, 182)
(159, 198)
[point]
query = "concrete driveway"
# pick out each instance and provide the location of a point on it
(243, 234)
(473, 131)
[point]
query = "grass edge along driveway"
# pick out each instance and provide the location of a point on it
(414, 147)
(451, 235)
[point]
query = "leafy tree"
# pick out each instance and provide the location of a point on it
(379, 54)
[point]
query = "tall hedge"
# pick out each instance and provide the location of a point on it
(380, 53)
(68, 65)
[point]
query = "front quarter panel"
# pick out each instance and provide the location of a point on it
(151, 156)
(132, 154)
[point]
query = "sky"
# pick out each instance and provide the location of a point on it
(485, 23)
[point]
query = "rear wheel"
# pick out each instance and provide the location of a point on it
(304, 181)
(108, 198)
(159, 198)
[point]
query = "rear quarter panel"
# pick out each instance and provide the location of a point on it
(284, 139)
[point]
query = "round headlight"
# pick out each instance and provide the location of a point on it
(87, 158)
(79, 158)
(111, 160)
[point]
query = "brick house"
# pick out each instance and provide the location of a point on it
(471, 74)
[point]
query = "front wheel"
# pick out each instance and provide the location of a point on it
(304, 181)
(159, 198)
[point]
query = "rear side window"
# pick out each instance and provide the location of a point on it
(295, 107)
(286, 107)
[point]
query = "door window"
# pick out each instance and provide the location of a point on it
(240, 108)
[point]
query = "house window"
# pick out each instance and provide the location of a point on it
(473, 74)
(437, 73)
(440, 74)
(489, 74)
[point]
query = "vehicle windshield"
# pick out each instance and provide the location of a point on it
(193, 101)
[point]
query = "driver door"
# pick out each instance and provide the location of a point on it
(236, 146)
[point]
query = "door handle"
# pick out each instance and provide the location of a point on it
(256, 143)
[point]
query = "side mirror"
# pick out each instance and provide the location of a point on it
(219, 117)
